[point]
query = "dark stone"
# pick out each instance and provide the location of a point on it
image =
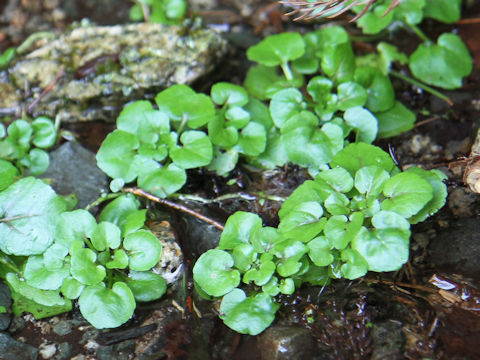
(73, 169)
(457, 248)
(5, 302)
(64, 351)
(11, 349)
(120, 351)
(286, 342)
(62, 328)
(388, 340)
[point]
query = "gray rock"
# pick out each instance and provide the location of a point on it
(64, 351)
(74, 169)
(11, 349)
(388, 340)
(120, 351)
(62, 328)
(285, 342)
(107, 66)
(5, 302)
(457, 248)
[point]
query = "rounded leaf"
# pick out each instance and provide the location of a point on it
(224, 93)
(74, 225)
(106, 235)
(146, 286)
(277, 49)
(107, 308)
(238, 229)
(44, 133)
(196, 151)
(84, 267)
(214, 274)
(143, 249)
(164, 181)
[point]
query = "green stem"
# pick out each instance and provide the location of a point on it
(5, 260)
(7, 220)
(101, 199)
(422, 86)
(419, 32)
(32, 38)
(239, 195)
(287, 71)
(182, 124)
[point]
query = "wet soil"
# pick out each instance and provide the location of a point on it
(428, 309)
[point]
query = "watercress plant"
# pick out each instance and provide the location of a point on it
(352, 218)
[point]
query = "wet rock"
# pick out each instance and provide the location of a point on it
(64, 351)
(388, 340)
(457, 248)
(5, 303)
(120, 351)
(73, 169)
(100, 68)
(197, 235)
(11, 349)
(62, 328)
(285, 342)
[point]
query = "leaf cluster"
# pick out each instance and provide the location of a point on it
(160, 11)
(22, 145)
(65, 255)
(352, 218)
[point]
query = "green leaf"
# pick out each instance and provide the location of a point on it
(146, 286)
(259, 78)
(38, 276)
(118, 210)
(7, 56)
(447, 11)
(196, 150)
(106, 235)
(221, 133)
(243, 256)
(84, 268)
(44, 133)
(390, 220)
(20, 133)
(369, 180)
(238, 229)
(223, 162)
(183, 104)
(355, 156)
(277, 49)
(407, 193)
(107, 308)
(338, 178)
(286, 104)
(8, 173)
(214, 274)
(303, 222)
(287, 286)
(384, 250)
(380, 93)
(119, 261)
(115, 156)
(41, 303)
(164, 181)
(134, 221)
(37, 161)
(54, 256)
(309, 191)
(355, 265)
(264, 238)
(28, 209)
(435, 179)
(319, 87)
(338, 62)
(443, 65)
(249, 315)
(274, 154)
(224, 93)
(351, 94)
(132, 116)
(143, 248)
(410, 11)
(341, 230)
(337, 204)
(262, 275)
(175, 9)
(364, 123)
(396, 120)
(237, 117)
(289, 254)
(74, 225)
(388, 54)
(71, 288)
(252, 140)
(319, 250)
(375, 21)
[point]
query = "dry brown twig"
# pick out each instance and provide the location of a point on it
(312, 10)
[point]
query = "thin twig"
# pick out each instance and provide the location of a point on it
(46, 90)
(422, 86)
(239, 195)
(173, 205)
